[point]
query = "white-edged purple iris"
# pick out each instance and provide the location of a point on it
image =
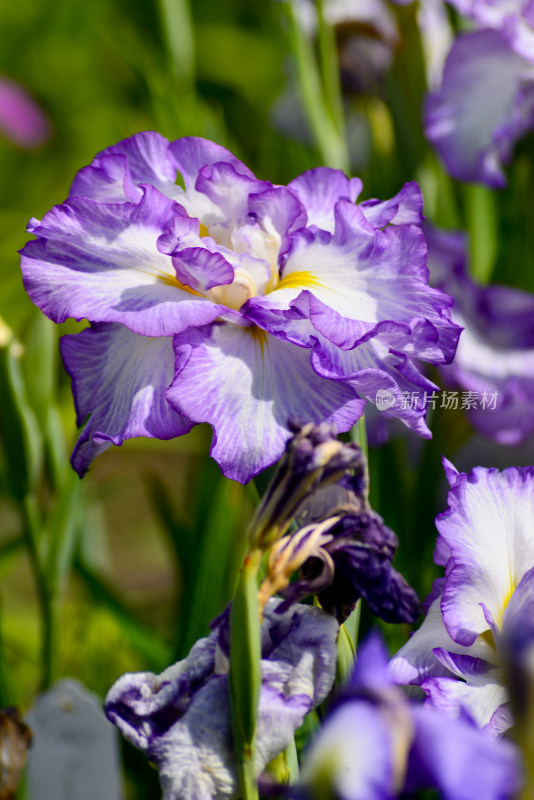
(232, 301)
(181, 718)
(495, 355)
(375, 745)
(485, 102)
(486, 546)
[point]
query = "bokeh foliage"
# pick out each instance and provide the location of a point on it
(126, 569)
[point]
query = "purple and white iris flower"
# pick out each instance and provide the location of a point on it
(232, 301)
(486, 546)
(375, 745)
(473, 135)
(495, 355)
(181, 718)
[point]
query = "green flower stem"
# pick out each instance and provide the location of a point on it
(346, 656)
(292, 761)
(245, 672)
(48, 605)
(177, 28)
(348, 634)
(482, 227)
(358, 434)
(329, 63)
(329, 140)
(352, 624)
(51, 547)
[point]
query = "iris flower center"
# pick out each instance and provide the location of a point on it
(235, 294)
(253, 251)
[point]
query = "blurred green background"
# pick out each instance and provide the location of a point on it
(124, 570)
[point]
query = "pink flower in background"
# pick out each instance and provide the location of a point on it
(22, 121)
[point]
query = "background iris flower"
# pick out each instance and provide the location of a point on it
(473, 136)
(376, 745)
(486, 547)
(495, 354)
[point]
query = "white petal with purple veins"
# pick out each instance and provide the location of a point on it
(119, 381)
(481, 697)
(361, 282)
(102, 262)
(416, 660)
(248, 385)
(372, 369)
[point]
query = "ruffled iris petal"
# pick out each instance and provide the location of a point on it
(119, 381)
(114, 174)
(368, 277)
(228, 189)
(405, 208)
(374, 370)
(416, 660)
(278, 209)
(102, 262)
(192, 153)
(481, 697)
(320, 189)
(248, 385)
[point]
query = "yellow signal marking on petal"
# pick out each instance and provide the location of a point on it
(203, 231)
(299, 280)
(509, 593)
(170, 280)
(487, 636)
(506, 600)
(258, 335)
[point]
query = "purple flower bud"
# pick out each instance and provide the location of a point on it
(314, 458)
(344, 552)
